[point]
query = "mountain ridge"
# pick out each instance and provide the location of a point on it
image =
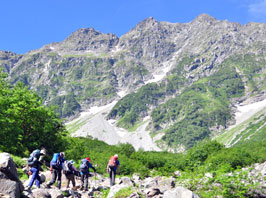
(90, 68)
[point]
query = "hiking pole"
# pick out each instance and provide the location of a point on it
(95, 179)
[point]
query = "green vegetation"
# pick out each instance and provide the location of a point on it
(66, 105)
(130, 108)
(124, 192)
(198, 108)
(26, 124)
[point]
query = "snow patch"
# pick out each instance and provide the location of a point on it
(244, 112)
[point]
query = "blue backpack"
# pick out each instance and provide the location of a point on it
(56, 161)
(34, 157)
(84, 166)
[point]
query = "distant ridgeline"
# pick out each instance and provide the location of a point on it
(207, 66)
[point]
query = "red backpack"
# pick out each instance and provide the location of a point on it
(112, 162)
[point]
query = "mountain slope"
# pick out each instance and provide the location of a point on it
(178, 82)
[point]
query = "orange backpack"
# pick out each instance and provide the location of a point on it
(112, 162)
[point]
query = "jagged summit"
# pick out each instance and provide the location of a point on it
(147, 23)
(202, 18)
(83, 33)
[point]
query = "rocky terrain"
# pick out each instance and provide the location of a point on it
(90, 69)
(134, 186)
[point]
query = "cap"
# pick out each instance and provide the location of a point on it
(116, 156)
(62, 153)
(88, 159)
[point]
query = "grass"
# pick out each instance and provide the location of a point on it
(124, 192)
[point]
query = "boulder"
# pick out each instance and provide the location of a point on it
(153, 192)
(55, 193)
(126, 181)
(163, 183)
(44, 193)
(114, 189)
(9, 180)
(180, 192)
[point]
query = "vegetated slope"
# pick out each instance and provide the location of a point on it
(199, 70)
(251, 129)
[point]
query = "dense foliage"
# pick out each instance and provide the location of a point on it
(25, 123)
(131, 107)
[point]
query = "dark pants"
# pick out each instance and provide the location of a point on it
(70, 177)
(84, 181)
(57, 173)
(35, 176)
(112, 173)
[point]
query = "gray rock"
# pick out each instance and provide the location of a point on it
(126, 181)
(153, 192)
(43, 193)
(9, 180)
(55, 193)
(180, 192)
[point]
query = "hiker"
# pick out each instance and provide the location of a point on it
(56, 166)
(70, 172)
(34, 162)
(113, 168)
(85, 172)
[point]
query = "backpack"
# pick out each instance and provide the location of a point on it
(84, 166)
(112, 162)
(34, 156)
(67, 168)
(56, 161)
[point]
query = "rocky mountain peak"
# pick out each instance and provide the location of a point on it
(83, 33)
(147, 23)
(204, 18)
(85, 39)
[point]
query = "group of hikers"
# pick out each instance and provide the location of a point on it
(59, 164)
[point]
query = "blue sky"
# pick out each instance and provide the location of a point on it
(30, 24)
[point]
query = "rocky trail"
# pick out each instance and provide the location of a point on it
(134, 186)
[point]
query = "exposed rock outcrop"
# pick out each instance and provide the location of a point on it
(10, 185)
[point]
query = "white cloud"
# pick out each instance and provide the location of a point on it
(257, 10)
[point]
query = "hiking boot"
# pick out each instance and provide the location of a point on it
(28, 189)
(47, 186)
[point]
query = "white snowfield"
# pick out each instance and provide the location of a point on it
(93, 123)
(244, 112)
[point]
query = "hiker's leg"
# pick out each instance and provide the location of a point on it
(72, 178)
(38, 180)
(54, 176)
(86, 181)
(35, 172)
(59, 174)
(82, 181)
(110, 175)
(114, 177)
(68, 181)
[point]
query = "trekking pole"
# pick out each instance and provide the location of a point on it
(95, 179)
